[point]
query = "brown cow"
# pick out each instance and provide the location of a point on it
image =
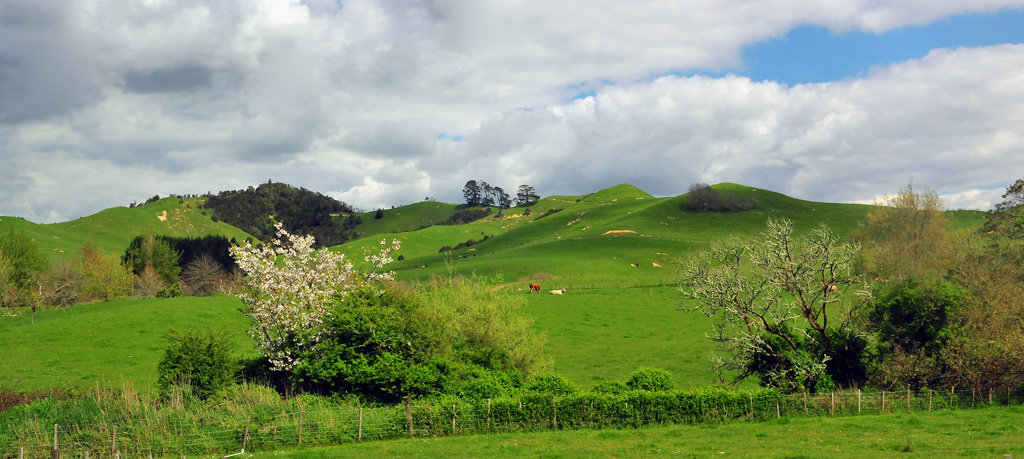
(534, 287)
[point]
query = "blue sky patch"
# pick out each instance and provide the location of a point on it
(812, 54)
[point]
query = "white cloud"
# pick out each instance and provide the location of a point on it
(364, 99)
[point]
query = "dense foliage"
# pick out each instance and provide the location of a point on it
(255, 210)
(702, 198)
(1007, 218)
(21, 261)
(467, 215)
(199, 364)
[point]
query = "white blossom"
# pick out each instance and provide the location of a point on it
(290, 287)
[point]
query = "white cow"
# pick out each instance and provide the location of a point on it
(557, 292)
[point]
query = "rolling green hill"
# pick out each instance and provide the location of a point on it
(620, 236)
(113, 229)
(616, 251)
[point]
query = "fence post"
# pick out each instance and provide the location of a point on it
(858, 400)
(300, 426)
(55, 454)
(832, 405)
(360, 438)
(113, 443)
(930, 399)
(883, 401)
(408, 414)
(21, 453)
(805, 402)
(908, 399)
(488, 415)
(453, 419)
(989, 395)
(245, 435)
(778, 411)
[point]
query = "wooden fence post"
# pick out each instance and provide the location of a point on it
(989, 395)
(805, 402)
(488, 415)
(858, 400)
(55, 454)
(408, 414)
(832, 405)
(245, 435)
(883, 401)
(453, 419)
(113, 443)
(908, 399)
(300, 426)
(930, 399)
(778, 411)
(360, 438)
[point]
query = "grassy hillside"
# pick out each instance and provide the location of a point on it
(615, 237)
(113, 229)
(406, 218)
(108, 343)
(616, 250)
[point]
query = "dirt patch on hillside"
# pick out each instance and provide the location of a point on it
(618, 232)
(162, 216)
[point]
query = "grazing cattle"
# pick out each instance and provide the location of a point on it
(557, 292)
(534, 287)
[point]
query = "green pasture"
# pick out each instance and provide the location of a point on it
(616, 251)
(108, 344)
(982, 432)
(410, 217)
(113, 229)
(604, 334)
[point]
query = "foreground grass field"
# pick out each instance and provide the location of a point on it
(593, 335)
(108, 344)
(983, 432)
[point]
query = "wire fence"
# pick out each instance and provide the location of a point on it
(262, 430)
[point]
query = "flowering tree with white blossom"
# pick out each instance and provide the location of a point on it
(289, 289)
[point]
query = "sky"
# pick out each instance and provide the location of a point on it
(382, 103)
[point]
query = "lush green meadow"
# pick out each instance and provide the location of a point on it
(983, 432)
(108, 344)
(604, 334)
(616, 251)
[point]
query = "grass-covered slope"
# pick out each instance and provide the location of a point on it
(620, 236)
(411, 217)
(616, 251)
(113, 229)
(108, 343)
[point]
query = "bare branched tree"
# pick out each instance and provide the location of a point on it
(784, 306)
(203, 276)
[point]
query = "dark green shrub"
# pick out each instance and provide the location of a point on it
(650, 379)
(551, 383)
(196, 360)
(170, 291)
(610, 387)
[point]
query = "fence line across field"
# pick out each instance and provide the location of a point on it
(301, 427)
